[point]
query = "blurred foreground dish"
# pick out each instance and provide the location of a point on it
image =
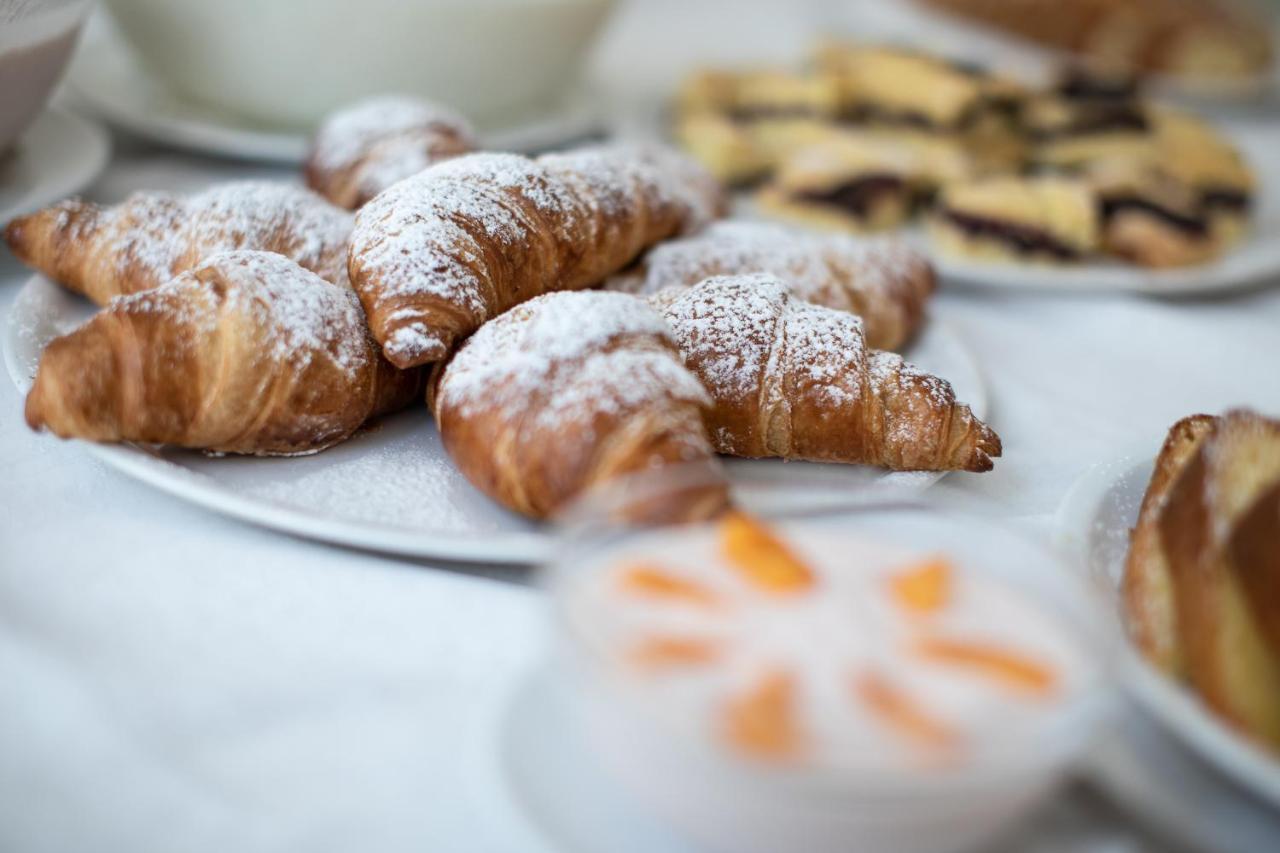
(876, 679)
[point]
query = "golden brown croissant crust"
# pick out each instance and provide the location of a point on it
(795, 380)
(363, 149)
(151, 237)
(887, 284)
(245, 353)
(437, 254)
(563, 393)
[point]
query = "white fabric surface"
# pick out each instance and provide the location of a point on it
(171, 680)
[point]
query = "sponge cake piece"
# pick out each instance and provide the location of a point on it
(1148, 586)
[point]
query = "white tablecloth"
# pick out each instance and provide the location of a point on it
(172, 680)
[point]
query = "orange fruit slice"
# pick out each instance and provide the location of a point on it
(761, 557)
(762, 721)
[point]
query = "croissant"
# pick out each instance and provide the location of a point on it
(565, 392)
(795, 380)
(152, 237)
(245, 353)
(361, 150)
(436, 255)
(885, 283)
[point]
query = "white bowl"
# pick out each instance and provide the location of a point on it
(723, 803)
(36, 41)
(289, 62)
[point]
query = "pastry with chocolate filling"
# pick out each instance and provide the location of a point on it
(862, 181)
(1070, 133)
(1149, 217)
(727, 149)
(1196, 154)
(783, 112)
(895, 87)
(1043, 219)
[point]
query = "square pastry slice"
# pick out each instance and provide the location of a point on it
(1049, 219)
(1070, 133)
(1150, 217)
(862, 181)
(894, 87)
(1197, 154)
(726, 148)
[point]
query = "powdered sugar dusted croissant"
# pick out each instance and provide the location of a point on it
(151, 237)
(565, 392)
(885, 283)
(362, 149)
(245, 353)
(436, 255)
(795, 380)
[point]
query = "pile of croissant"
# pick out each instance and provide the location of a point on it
(569, 318)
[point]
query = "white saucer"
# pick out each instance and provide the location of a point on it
(393, 488)
(107, 78)
(1092, 529)
(60, 154)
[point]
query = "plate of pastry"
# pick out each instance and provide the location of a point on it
(108, 80)
(1082, 184)
(1185, 545)
(257, 320)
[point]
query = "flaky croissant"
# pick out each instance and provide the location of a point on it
(795, 380)
(361, 150)
(436, 255)
(565, 392)
(885, 283)
(151, 237)
(245, 353)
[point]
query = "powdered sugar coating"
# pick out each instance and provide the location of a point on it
(883, 281)
(349, 132)
(437, 254)
(795, 379)
(299, 316)
(363, 149)
(157, 235)
(557, 348)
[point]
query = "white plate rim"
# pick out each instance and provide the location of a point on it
(63, 178)
(503, 548)
(206, 130)
(1176, 707)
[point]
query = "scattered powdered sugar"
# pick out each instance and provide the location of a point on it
(386, 484)
(557, 358)
(347, 134)
(159, 235)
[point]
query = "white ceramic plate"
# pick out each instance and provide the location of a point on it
(107, 78)
(60, 154)
(392, 488)
(1093, 528)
